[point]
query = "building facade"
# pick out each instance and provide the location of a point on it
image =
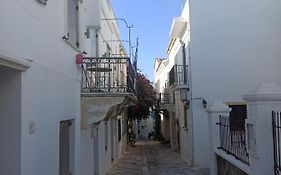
(172, 84)
(40, 89)
(107, 90)
(57, 60)
(233, 47)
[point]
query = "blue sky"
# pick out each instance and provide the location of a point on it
(152, 21)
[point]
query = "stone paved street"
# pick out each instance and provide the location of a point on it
(153, 158)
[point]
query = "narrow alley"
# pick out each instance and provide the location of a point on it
(152, 158)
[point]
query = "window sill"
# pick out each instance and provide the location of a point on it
(73, 46)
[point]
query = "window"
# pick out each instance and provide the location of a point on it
(72, 22)
(237, 116)
(185, 114)
(106, 135)
(119, 129)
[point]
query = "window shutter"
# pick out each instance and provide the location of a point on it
(72, 18)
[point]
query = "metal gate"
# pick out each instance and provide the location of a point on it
(276, 128)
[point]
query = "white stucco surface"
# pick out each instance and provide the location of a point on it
(50, 89)
(234, 47)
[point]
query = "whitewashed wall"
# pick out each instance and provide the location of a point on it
(145, 127)
(201, 134)
(234, 46)
(50, 87)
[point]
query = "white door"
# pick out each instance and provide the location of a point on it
(66, 148)
(96, 150)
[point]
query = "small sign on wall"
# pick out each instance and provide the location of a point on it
(43, 1)
(31, 127)
(251, 137)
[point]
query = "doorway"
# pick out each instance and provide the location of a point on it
(10, 120)
(95, 132)
(113, 140)
(66, 147)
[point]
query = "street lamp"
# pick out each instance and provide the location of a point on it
(129, 28)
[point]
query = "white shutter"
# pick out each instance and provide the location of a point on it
(72, 21)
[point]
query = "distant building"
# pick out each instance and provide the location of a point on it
(172, 84)
(145, 128)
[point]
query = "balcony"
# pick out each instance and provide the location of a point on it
(166, 103)
(107, 88)
(164, 98)
(178, 75)
(108, 75)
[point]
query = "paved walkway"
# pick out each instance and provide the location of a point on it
(152, 158)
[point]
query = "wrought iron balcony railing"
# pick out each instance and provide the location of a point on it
(164, 98)
(178, 75)
(108, 75)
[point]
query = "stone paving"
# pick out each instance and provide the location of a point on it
(153, 158)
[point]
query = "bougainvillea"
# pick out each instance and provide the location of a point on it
(146, 98)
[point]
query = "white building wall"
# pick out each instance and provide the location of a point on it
(145, 127)
(47, 106)
(235, 45)
(87, 153)
(231, 51)
(201, 134)
(50, 87)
